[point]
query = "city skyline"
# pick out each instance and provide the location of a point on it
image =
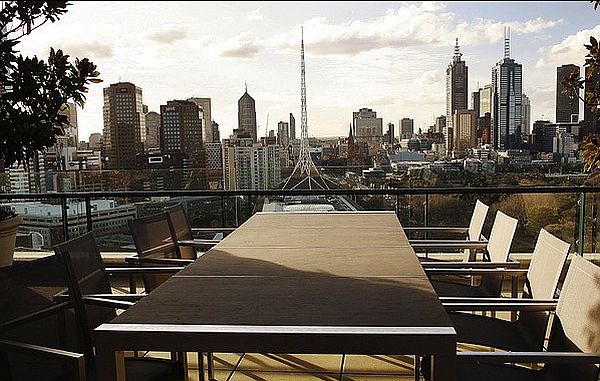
(375, 60)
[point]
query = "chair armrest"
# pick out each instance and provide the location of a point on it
(117, 297)
(448, 244)
(160, 261)
(144, 270)
(421, 242)
(102, 302)
(213, 230)
(529, 357)
(506, 306)
(468, 299)
(470, 265)
(52, 353)
(198, 242)
(436, 229)
(475, 271)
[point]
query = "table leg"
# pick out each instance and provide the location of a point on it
(110, 364)
(444, 367)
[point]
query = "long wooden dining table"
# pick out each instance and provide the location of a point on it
(319, 283)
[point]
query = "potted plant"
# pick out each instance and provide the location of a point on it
(33, 92)
(9, 224)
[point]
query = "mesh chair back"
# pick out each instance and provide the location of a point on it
(29, 315)
(577, 326)
(90, 275)
(547, 262)
(181, 230)
(501, 237)
(498, 248)
(477, 221)
(475, 228)
(153, 239)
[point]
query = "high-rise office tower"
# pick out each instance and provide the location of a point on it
(476, 100)
(526, 115)
(390, 133)
(591, 121)
(71, 130)
(567, 108)
(247, 114)
(465, 129)
(124, 131)
(457, 90)
(368, 128)
(181, 130)
(292, 127)
(204, 114)
(486, 96)
(216, 135)
(507, 81)
(440, 124)
(152, 129)
(283, 138)
(407, 128)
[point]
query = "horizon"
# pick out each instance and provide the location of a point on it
(387, 56)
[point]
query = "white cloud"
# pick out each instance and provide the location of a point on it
(408, 26)
(243, 45)
(168, 34)
(92, 49)
(569, 50)
(253, 15)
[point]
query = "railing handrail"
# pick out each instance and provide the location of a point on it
(304, 192)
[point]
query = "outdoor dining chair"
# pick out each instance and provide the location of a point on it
(183, 237)
(574, 345)
(93, 292)
(155, 246)
(38, 338)
(471, 233)
(497, 254)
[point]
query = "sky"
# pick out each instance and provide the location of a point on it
(388, 56)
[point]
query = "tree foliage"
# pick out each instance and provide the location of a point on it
(35, 91)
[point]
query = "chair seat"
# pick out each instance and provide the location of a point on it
(149, 369)
(491, 332)
(493, 372)
(455, 289)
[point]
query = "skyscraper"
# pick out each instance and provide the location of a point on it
(181, 130)
(526, 116)
(205, 116)
(567, 109)
(368, 128)
(390, 133)
(152, 129)
(292, 127)
(440, 124)
(283, 138)
(124, 125)
(216, 134)
(486, 96)
(465, 129)
(507, 81)
(247, 115)
(407, 128)
(457, 90)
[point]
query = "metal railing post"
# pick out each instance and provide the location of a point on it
(398, 205)
(223, 214)
(88, 214)
(581, 224)
(65, 218)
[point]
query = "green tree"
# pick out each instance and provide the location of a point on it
(34, 91)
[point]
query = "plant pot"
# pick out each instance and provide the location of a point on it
(8, 236)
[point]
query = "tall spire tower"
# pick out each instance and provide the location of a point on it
(305, 169)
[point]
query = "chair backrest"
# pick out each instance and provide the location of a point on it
(153, 239)
(181, 230)
(577, 323)
(477, 221)
(90, 275)
(498, 249)
(29, 314)
(547, 262)
(501, 237)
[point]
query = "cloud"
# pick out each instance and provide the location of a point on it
(243, 45)
(386, 100)
(92, 49)
(168, 34)
(431, 77)
(569, 50)
(253, 15)
(410, 25)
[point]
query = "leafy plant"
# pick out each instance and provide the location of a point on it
(6, 212)
(34, 91)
